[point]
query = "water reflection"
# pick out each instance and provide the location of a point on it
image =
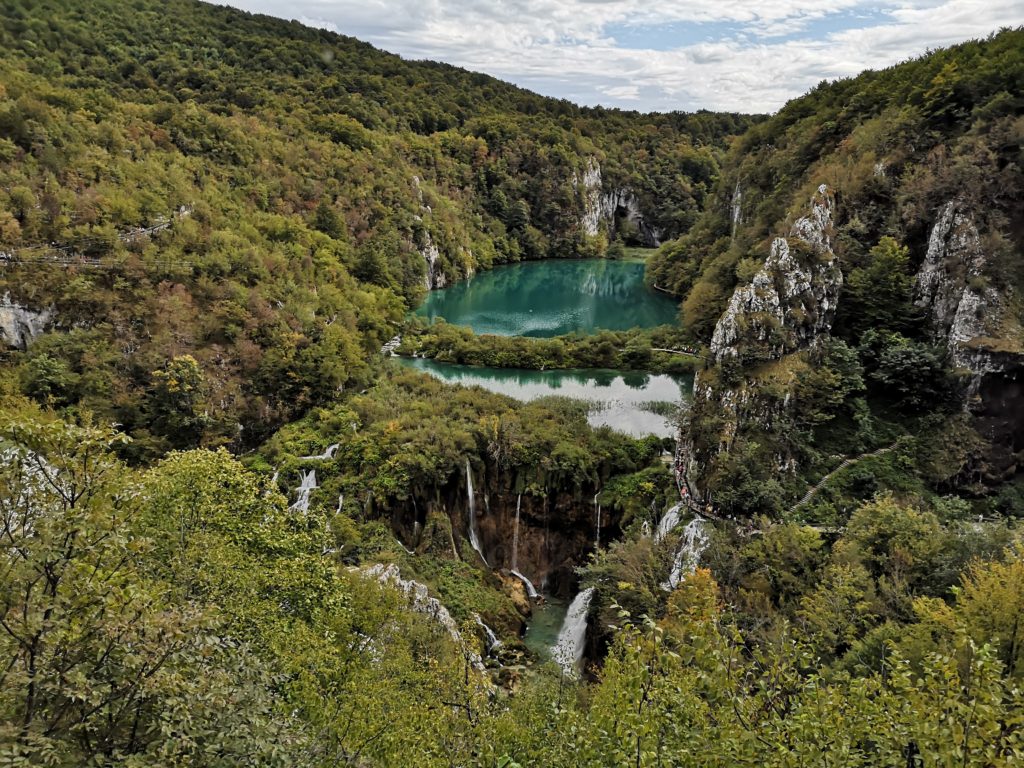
(551, 298)
(622, 399)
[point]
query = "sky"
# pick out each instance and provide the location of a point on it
(658, 55)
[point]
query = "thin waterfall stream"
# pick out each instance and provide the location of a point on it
(474, 539)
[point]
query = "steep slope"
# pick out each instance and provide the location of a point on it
(899, 311)
(260, 202)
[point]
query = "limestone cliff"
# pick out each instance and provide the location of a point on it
(786, 308)
(19, 325)
(792, 299)
(972, 319)
(611, 207)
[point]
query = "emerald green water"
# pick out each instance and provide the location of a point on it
(551, 298)
(621, 400)
(545, 623)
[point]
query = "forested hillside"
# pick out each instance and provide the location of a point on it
(313, 187)
(842, 318)
(233, 534)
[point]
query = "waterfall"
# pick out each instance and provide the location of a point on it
(515, 536)
(474, 540)
(306, 487)
(691, 546)
(492, 639)
(341, 502)
(645, 530)
(531, 591)
(328, 454)
(568, 651)
(597, 514)
(669, 521)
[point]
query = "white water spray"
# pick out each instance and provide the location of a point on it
(474, 539)
(531, 591)
(568, 651)
(493, 643)
(328, 454)
(668, 522)
(306, 487)
(691, 546)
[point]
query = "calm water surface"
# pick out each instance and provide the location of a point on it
(553, 297)
(621, 398)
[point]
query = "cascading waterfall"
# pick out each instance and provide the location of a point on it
(474, 540)
(493, 643)
(667, 523)
(691, 546)
(306, 487)
(531, 591)
(328, 454)
(341, 502)
(645, 530)
(568, 650)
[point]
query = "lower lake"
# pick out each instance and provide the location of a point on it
(632, 402)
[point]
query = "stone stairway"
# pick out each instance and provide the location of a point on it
(843, 465)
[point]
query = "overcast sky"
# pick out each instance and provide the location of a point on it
(742, 55)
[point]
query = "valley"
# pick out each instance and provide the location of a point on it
(361, 411)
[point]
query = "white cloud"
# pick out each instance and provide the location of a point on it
(626, 92)
(767, 55)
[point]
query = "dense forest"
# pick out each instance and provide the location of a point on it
(233, 533)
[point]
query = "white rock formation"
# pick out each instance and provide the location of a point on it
(589, 187)
(19, 325)
(422, 602)
(601, 207)
(952, 286)
(792, 299)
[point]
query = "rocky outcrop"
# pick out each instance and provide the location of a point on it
(623, 205)
(611, 207)
(787, 307)
(421, 602)
(792, 299)
(19, 325)
(435, 276)
(951, 285)
(588, 184)
(970, 318)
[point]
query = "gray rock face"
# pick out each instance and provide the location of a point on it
(788, 306)
(20, 326)
(421, 602)
(952, 287)
(969, 317)
(792, 299)
(589, 187)
(609, 207)
(623, 204)
(435, 277)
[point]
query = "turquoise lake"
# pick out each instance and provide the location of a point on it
(621, 399)
(551, 298)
